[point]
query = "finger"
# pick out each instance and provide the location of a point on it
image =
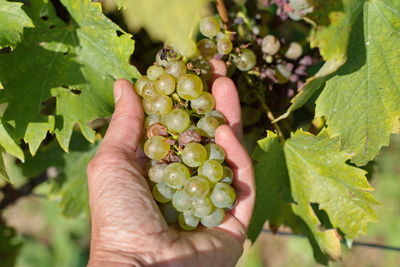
(218, 70)
(243, 182)
(126, 124)
(227, 102)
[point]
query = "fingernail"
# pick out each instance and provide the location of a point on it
(117, 93)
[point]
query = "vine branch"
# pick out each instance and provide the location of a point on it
(271, 117)
(222, 11)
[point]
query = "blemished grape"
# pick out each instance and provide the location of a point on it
(246, 60)
(207, 48)
(151, 119)
(140, 83)
(215, 152)
(223, 195)
(212, 170)
(187, 221)
(194, 154)
(197, 187)
(214, 219)
(162, 192)
(169, 213)
(227, 177)
(203, 104)
(153, 72)
(181, 201)
(270, 45)
(209, 27)
(202, 207)
(156, 147)
(156, 172)
(159, 61)
(157, 104)
(189, 86)
(175, 175)
(224, 46)
(165, 84)
(176, 69)
(294, 51)
(208, 125)
(177, 120)
(149, 89)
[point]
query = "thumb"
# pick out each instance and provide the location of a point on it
(126, 126)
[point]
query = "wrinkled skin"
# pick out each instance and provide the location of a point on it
(127, 226)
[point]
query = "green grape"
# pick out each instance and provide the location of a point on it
(177, 120)
(169, 213)
(189, 86)
(156, 172)
(207, 48)
(224, 46)
(223, 195)
(202, 207)
(197, 187)
(282, 73)
(162, 192)
(203, 104)
(216, 114)
(246, 60)
(176, 69)
(215, 152)
(187, 221)
(214, 219)
(165, 84)
(208, 125)
(212, 170)
(157, 105)
(175, 175)
(299, 4)
(194, 154)
(204, 68)
(227, 177)
(270, 45)
(149, 89)
(140, 83)
(294, 51)
(209, 27)
(181, 201)
(156, 147)
(151, 119)
(187, 48)
(153, 72)
(159, 61)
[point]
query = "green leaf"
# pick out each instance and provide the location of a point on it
(362, 100)
(319, 174)
(9, 145)
(13, 20)
(3, 172)
(164, 20)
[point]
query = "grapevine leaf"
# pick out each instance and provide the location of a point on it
(3, 172)
(318, 174)
(13, 20)
(362, 101)
(8, 143)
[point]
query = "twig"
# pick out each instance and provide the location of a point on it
(223, 13)
(271, 117)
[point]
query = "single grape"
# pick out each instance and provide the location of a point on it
(197, 187)
(282, 73)
(224, 46)
(140, 83)
(153, 72)
(162, 192)
(161, 62)
(156, 147)
(246, 60)
(215, 152)
(270, 45)
(212, 170)
(169, 213)
(175, 175)
(194, 154)
(204, 69)
(207, 48)
(208, 125)
(203, 104)
(202, 207)
(299, 4)
(176, 69)
(189, 86)
(177, 120)
(187, 221)
(294, 51)
(214, 219)
(223, 195)
(156, 172)
(181, 201)
(187, 48)
(227, 177)
(165, 84)
(151, 119)
(218, 115)
(209, 27)
(157, 105)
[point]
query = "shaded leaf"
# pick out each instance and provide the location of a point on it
(9, 245)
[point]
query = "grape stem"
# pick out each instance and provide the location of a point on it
(223, 13)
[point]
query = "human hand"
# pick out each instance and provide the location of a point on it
(127, 226)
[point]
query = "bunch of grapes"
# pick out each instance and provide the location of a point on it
(187, 172)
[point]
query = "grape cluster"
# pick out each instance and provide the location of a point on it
(187, 172)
